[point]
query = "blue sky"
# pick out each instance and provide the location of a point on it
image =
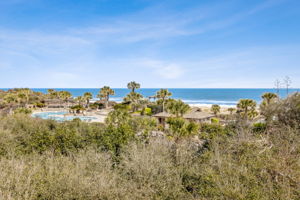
(158, 43)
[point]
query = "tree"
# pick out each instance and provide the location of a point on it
(87, 96)
(21, 98)
(177, 108)
(11, 100)
(268, 97)
(79, 99)
(163, 94)
(231, 110)
(133, 86)
(135, 100)
(215, 109)
(118, 131)
(65, 96)
(268, 107)
(104, 94)
(52, 93)
(277, 85)
(181, 128)
(287, 82)
(247, 108)
(77, 109)
(288, 111)
(26, 92)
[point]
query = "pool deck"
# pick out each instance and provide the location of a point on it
(99, 115)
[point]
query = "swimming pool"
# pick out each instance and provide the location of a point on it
(59, 116)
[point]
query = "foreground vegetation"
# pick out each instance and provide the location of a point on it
(133, 157)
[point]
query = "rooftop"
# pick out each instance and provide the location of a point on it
(194, 113)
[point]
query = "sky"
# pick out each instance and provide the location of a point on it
(158, 43)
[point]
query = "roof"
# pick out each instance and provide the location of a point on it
(195, 113)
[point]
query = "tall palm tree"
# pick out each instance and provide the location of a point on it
(87, 96)
(247, 107)
(268, 97)
(177, 108)
(104, 94)
(163, 94)
(215, 109)
(133, 86)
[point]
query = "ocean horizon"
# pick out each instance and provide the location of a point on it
(192, 96)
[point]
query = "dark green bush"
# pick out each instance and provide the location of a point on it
(259, 127)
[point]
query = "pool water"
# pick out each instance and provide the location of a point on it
(59, 116)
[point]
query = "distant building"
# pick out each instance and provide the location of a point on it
(195, 115)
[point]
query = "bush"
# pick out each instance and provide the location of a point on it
(155, 108)
(23, 111)
(39, 104)
(211, 131)
(147, 111)
(44, 159)
(97, 105)
(179, 128)
(259, 127)
(215, 120)
(289, 110)
(121, 106)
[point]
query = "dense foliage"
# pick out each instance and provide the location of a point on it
(132, 157)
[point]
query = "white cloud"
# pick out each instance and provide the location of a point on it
(171, 71)
(165, 69)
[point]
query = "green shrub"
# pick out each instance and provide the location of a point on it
(259, 127)
(147, 111)
(23, 111)
(215, 120)
(39, 104)
(210, 131)
(155, 108)
(179, 127)
(121, 106)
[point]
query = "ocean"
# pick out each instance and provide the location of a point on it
(197, 96)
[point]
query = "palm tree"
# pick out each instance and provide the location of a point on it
(79, 99)
(135, 100)
(26, 92)
(87, 96)
(163, 94)
(231, 110)
(177, 108)
(268, 97)
(247, 107)
(215, 109)
(104, 94)
(133, 86)
(52, 93)
(65, 96)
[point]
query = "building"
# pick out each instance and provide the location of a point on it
(194, 115)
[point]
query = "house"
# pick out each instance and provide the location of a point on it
(194, 115)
